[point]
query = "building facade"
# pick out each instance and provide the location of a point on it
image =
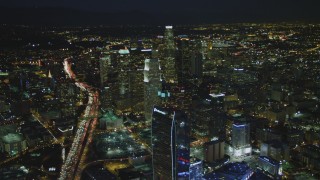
(169, 69)
(13, 143)
(152, 84)
(240, 142)
(170, 144)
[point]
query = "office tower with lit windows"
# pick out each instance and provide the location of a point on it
(240, 134)
(207, 122)
(214, 150)
(169, 70)
(12, 143)
(136, 89)
(181, 96)
(164, 94)
(196, 65)
(240, 142)
(170, 144)
(152, 84)
(105, 66)
(183, 58)
(107, 71)
(270, 166)
(169, 41)
(67, 95)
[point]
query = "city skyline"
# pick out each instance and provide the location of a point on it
(159, 90)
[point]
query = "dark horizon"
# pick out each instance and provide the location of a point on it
(69, 16)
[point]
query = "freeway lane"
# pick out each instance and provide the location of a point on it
(85, 128)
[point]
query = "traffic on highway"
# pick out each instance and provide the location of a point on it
(85, 127)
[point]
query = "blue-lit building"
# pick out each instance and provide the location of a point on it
(196, 169)
(270, 167)
(240, 134)
(231, 171)
(170, 144)
(237, 171)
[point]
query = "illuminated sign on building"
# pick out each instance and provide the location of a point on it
(239, 126)
(4, 74)
(280, 171)
(123, 51)
(146, 50)
(217, 95)
(161, 112)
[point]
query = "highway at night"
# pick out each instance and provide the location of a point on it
(85, 128)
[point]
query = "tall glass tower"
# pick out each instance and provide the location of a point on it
(240, 134)
(105, 62)
(241, 145)
(169, 39)
(152, 84)
(169, 71)
(170, 144)
(107, 69)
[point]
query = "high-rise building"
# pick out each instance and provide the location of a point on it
(12, 143)
(207, 122)
(183, 57)
(275, 149)
(214, 150)
(67, 94)
(310, 156)
(170, 144)
(240, 134)
(240, 142)
(152, 84)
(136, 89)
(108, 71)
(169, 41)
(270, 166)
(164, 94)
(169, 70)
(196, 65)
(181, 96)
(105, 63)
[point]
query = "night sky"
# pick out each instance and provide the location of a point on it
(195, 10)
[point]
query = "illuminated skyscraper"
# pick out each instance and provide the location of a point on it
(169, 40)
(152, 83)
(164, 94)
(241, 145)
(183, 58)
(170, 144)
(214, 150)
(67, 94)
(105, 62)
(196, 65)
(270, 166)
(105, 71)
(169, 71)
(240, 134)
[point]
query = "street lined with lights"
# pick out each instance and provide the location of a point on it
(85, 128)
